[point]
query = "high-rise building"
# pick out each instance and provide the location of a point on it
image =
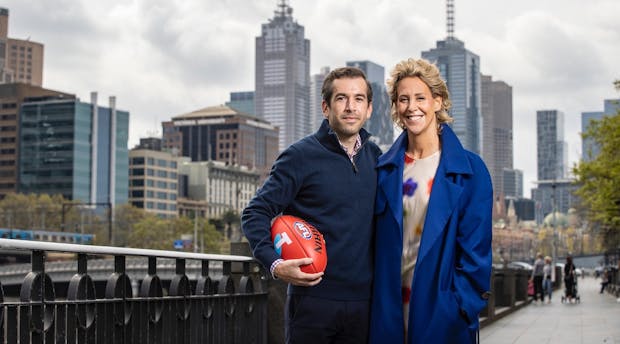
(75, 149)
(12, 96)
(316, 98)
(589, 149)
(224, 187)
(497, 152)
(283, 76)
(242, 102)
(380, 122)
(554, 191)
(172, 139)
(512, 183)
(552, 150)
(524, 208)
(611, 107)
(460, 68)
(153, 178)
(20, 60)
(224, 134)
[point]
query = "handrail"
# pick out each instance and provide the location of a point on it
(114, 251)
(226, 304)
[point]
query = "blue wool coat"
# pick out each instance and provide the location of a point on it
(451, 281)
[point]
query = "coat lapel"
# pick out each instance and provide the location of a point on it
(443, 201)
(446, 190)
(390, 182)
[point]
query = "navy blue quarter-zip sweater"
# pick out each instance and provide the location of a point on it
(315, 180)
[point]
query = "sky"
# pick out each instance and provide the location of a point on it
(163, 58)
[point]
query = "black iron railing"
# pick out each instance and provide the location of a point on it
(227, 307)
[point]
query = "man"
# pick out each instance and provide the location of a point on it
(329, 180)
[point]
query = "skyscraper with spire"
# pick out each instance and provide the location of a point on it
(460, 68)
(282, 77)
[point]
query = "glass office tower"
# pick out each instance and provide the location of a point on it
(74, 148)
(460, 68)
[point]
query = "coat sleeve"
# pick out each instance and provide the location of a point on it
(271, 199)
(474, 252)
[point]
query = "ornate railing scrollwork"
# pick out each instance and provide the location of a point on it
(91, 306)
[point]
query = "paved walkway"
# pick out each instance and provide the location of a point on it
(596, 319)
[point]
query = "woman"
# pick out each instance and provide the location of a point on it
(569, 279)
(547, 284)
(537, 277)
(433, 212)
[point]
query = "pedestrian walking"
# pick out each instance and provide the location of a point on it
(537, 277)
(547, 282)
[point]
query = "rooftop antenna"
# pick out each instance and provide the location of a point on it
(284, 9)
(450, 18)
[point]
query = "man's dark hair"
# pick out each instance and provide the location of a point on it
(339, 73)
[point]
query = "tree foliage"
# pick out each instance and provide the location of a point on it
(31, 211)
(158, 233)
(132, 227)
(599, 178)
(125, 217)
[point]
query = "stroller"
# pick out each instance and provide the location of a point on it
(571, 292)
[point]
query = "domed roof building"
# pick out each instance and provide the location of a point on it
(557, 218)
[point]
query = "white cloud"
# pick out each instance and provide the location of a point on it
(163, 58)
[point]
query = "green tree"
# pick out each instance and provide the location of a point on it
(21, 211)
(125, 216)
(157, 233)
(214, 241)
(151, 232)
(233, 222)
(599, 179)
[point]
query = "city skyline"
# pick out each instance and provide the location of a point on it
(162, 59)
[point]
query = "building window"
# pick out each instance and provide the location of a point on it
(137, 194)
(137, 161)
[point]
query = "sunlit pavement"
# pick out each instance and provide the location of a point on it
(596, 319)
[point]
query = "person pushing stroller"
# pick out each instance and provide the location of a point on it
(570, 281)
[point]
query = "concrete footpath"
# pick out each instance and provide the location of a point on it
(596, 319)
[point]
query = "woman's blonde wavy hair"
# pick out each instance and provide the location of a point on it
(429, 74)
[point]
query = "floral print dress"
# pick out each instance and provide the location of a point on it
(418, 178)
